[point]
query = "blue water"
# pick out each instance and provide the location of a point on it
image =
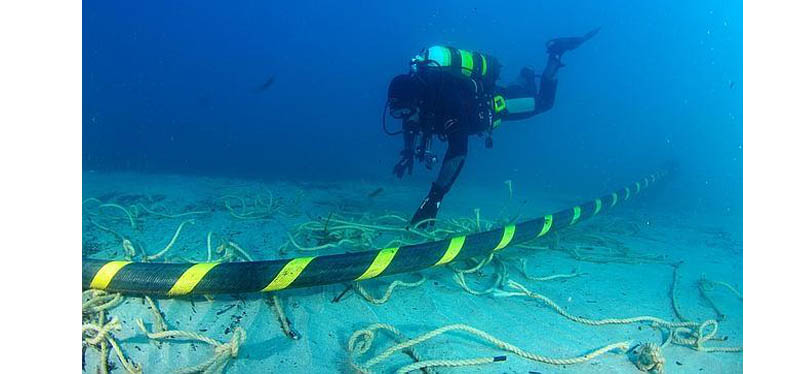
(175, 88)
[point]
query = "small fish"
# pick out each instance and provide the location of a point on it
(376, 192)
(267, 84)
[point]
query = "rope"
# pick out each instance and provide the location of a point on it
(171, 242)
(672, 292)
(286, 326)
(223, 353)
(96, 301)
(427, 364)
(650, 359)
(363, 292)
(361, 341)
(524, 271)
(159, 324)
(500, 276)
(127, 213)
(164, 215)
(586, 321)
(686, 333)
(99, 336)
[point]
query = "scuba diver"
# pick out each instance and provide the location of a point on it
(452, 93)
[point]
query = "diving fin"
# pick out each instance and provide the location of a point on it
(558, 46)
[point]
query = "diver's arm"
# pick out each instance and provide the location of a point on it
(451, 167)
(406, 163)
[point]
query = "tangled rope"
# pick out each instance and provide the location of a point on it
(223, 352)
(649, 358)
(688, 333)
(99, 336)
(97, 333)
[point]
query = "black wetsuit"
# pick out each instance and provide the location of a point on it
(453, 108)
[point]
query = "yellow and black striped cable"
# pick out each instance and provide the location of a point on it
(170, 279)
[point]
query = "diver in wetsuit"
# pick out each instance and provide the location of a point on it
(452, 93)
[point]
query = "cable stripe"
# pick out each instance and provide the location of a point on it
(627, 193)
(452, 250)
(548, 222)
(576, 214)
(106, 273)
(613, 199)
(288, 274)
(379, 264)
(508, 234)
(638, 187)
(598, 204)
(190, 278)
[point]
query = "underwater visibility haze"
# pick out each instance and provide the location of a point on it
(563, 192)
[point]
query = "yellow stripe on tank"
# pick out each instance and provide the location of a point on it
(483, 65)
(288, 274)
(613, 199)
(190, 278)
(452, 250)
(379, 264)
(646, 182)
(576, 213)
(508, 234)
(638, 187)
(466, 62)
(598, 204)
(548, 222)
(627, 193)
(106, 273)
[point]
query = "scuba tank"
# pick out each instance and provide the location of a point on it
(482, 69)
(478, 66)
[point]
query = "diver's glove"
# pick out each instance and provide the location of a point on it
(406, 163)
(556, 47)
(429, 207)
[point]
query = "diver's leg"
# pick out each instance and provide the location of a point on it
(451, 167)
(547, 86)
(526, 102)
(555, 49)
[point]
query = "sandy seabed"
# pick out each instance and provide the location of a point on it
(653, 240)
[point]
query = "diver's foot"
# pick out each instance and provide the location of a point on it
(556, 47)
(425, 215)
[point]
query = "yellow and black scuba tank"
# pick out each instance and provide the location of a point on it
(478, 66)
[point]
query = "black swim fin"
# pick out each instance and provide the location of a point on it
(558, 46)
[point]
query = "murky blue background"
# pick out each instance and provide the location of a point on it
(174, 87)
